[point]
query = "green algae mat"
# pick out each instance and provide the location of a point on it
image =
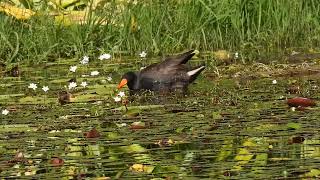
(59, 121)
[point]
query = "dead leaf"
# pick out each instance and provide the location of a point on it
(18, 13)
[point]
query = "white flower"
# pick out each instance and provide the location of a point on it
(84, 84)
(142, 68)
(121, 94)
(73, 68)
(45, 88)
(72, 85)
(85, 60)
(236, 55)
(109, 78)
(117, 99)
(5, 112)
(314, 87)
(294, 53)
(32, 86)
(29, 173)
(143, 54)
(94, 73)
(104, 56)
(274, 82)
(122, 125)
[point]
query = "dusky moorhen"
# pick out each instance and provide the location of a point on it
(170, 75)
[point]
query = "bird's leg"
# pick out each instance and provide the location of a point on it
(125, 103)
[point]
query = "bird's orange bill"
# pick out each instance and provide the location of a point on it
(122, 83)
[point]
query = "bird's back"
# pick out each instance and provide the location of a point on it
(158, 78)
(168, 75)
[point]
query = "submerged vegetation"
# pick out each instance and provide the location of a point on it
(252, 27)
(233, 124)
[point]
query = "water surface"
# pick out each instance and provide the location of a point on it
(231, 124)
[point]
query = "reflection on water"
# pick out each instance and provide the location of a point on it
(226, 127)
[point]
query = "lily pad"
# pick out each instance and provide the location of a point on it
(293, 126)
(134, 148)
(139, 107)
(313, 173)
(8, 96)
(133, 113)
(142, 168)
(16, 128)
(36, 100)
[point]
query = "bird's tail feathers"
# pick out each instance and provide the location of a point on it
(195, 72)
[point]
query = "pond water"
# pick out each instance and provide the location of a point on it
(226, 127)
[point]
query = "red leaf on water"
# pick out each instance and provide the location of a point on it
(300, 102)
(93, 133)
(57, 161)
(135, 127)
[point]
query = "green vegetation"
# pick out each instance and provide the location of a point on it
(65, 120)
(225, 128)
(252, 27)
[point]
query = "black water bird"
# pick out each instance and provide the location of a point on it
(170, 75)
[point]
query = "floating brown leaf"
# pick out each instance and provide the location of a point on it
(57, 161)
(300, 102)
(93, 133)
(64, 97)
(296, 140)
(18, 158)
(18, 13)
(165, 142)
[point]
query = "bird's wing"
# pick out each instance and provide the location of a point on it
(158, 73)
(170, 63)
(178, 59)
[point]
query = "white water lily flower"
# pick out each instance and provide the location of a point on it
(314, 87)
(29, 173)
(94, 73)
(274, 82)
(72, 85)
(32, 86)
(73, 68)
(45, 88)
(85, 60)
(104, 56)
(5, 112)
(121, 94)
(109, 78)
(236, 55)
(84, 84)
(117, 99)
(143, 54)
(122, 125)
(142, 68)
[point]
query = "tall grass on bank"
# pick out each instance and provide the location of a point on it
(249, 26)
